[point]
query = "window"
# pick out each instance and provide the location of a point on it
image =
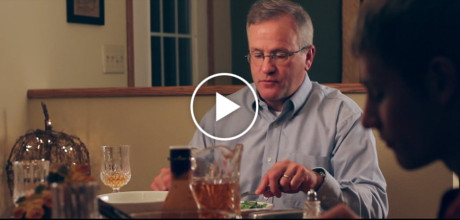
(169, 42)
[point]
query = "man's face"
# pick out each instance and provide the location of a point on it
(276, 82)
(403, 117)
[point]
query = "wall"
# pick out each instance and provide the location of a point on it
(222, 40)
(39, 49)
(50, 52)
(151, 124)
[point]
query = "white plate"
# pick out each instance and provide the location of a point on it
(136, 201)
(269, 206)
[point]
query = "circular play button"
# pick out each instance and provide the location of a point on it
(226, 110)
(224, 106)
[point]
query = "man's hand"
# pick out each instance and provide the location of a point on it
(289, 177)
(162, 182)
(339, 211)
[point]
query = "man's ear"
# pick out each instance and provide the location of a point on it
(442, 79)
(309, 58)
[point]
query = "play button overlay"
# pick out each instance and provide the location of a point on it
(230, 117)
(224, 106)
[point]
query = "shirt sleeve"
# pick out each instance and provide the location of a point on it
(359, 184)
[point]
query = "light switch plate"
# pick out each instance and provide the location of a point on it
(113, 58)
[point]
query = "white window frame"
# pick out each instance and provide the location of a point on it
(142, 34)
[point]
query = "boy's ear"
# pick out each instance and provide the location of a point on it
(442, 79)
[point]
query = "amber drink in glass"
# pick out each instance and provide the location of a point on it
(115, 167)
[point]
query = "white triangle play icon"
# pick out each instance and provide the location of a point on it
(224, 106)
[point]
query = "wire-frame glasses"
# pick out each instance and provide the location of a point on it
(279, 57)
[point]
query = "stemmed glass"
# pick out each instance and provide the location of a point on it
(115, 168)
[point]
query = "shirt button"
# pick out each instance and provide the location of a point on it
(269, 159)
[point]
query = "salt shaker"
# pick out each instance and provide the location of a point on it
(312, 206)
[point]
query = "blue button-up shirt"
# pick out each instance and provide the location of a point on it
(319, 127)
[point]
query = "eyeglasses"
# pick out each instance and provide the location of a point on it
(279, 57)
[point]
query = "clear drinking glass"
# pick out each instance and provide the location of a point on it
(27, 175)
(115, 167)
(74, 200)
(215, 178)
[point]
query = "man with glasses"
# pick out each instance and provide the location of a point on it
(307, 136)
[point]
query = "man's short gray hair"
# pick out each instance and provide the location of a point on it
(264, 10)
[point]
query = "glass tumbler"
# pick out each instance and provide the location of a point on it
(27, 175)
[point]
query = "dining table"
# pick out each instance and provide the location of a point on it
(275, 214)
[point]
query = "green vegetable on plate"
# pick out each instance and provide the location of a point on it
(252, 205)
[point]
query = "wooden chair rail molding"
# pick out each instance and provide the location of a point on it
(159, 91)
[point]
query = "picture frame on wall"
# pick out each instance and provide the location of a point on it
(85, 11)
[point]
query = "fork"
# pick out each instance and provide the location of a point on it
(248, 193)
(252, 194)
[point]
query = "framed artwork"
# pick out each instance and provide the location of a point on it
(85, 11)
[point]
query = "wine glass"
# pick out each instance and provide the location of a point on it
(115, 168)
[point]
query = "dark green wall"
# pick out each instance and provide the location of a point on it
(326, 16)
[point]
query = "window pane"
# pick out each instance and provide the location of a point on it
(156, 60)
(170, 61)
(185, 60)
(168, 16)
(183, 14)
(155, 15)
